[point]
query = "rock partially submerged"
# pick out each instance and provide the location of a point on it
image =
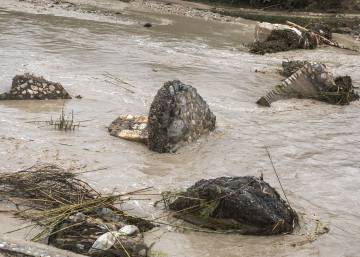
(272, 38)
(312, 81)
(247, 205)
(130, 127)
(178, 114)
(30, 87)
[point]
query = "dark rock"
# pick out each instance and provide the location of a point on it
(312, 81)
(28, 86)
(285, 40)
(247, 205)
(178, 114)
(78, 97)
(148, 25)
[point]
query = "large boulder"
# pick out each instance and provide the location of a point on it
(177, 114)
(30, 87)
(312, 81)
(247, 205)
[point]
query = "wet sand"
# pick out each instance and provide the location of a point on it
(314, 145)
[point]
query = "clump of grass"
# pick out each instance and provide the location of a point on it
(64, 122)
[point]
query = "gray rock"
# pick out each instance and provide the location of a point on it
(178, 114)
(24, 85)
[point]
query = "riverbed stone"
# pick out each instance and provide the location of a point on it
(246, 205)
(28, 86)
(178, 114)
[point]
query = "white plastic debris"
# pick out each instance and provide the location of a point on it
(129, 230)
(104, 242)
(264, 29)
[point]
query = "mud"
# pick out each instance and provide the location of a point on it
(314, 145)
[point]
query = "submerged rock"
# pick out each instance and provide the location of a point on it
(178, 114)
(130, 127)
(28, 86)
(247, 205)
(312, 81)
(272, 38)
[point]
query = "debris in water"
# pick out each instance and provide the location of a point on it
(246, 205)
(72, 214)
(313, 81)
(272, 38)
(129, 127)
(30, 87)
(148, 25)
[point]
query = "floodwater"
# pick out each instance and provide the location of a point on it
(315, 146)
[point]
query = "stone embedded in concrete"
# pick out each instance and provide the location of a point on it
(130, 127)
(28, 86)
(178, 114)
(313, 81)
(246, 205)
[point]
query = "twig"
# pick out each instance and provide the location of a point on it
(111, 76)
(108, 81)
(278, 178)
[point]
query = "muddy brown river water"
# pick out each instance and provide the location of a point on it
(315, 146)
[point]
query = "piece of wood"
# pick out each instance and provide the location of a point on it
(324, 39)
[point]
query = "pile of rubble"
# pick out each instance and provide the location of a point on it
(311, 81)
(30, 87)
